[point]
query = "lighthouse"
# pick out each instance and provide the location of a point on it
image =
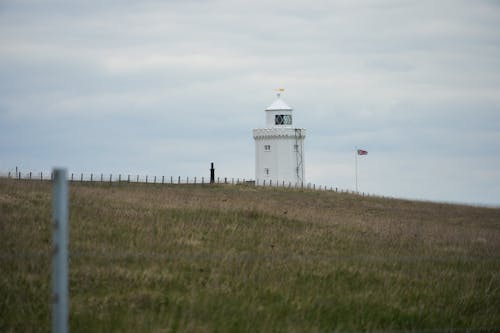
(279, 147)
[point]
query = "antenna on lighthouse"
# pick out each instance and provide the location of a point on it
(279, 91)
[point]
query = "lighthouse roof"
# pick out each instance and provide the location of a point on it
(278, 104)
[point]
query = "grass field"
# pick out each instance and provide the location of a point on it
(192, 258)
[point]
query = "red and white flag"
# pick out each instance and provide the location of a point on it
(362, 152)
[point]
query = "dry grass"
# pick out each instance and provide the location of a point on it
(239, 258)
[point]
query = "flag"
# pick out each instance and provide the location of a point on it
(362, 152)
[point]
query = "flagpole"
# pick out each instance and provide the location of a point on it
(356, 165)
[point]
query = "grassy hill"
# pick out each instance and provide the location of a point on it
(166, 258)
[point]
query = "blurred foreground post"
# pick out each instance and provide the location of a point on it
(60, 252)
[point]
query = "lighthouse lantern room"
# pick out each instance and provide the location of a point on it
(279, 147)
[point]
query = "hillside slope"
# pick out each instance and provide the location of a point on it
(198, 258)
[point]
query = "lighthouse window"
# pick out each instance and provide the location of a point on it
(267, 147)
(295, 147)
(266, 170)
(283, 119)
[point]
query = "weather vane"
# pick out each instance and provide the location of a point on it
(279, 91)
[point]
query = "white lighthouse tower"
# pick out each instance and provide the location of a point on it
(279, 148)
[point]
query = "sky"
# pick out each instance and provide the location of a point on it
(166, 87)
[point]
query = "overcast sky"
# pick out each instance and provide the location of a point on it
(166, 87)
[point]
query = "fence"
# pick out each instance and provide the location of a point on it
(121, 178)
(153, 179)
